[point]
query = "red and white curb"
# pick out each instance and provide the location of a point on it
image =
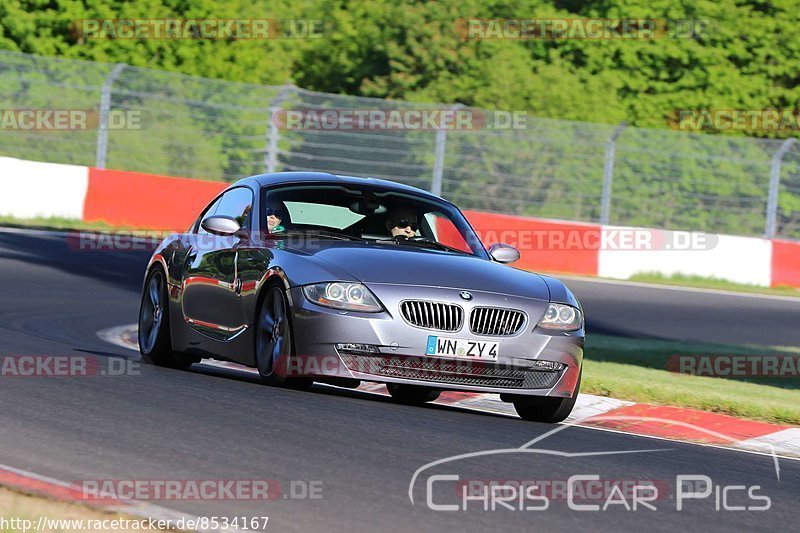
(36, 484)
(597, 412)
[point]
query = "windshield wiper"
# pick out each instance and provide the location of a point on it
(326, 233)
(424, 242)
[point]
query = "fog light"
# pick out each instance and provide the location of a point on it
(355, 347)
(548, 365)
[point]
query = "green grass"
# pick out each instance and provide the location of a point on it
(735, 398)
(635, 370)
(712, 283)
(55, 223)
(51, 223)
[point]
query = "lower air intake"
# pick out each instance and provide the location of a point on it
(451, 372)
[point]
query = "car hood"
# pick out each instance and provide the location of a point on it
(371, 262)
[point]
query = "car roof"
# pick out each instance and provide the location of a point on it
(285, 178)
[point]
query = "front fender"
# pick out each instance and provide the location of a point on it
(170, 255)
(559, 293)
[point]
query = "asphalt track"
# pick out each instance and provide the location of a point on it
(160, 424)
(677, 313)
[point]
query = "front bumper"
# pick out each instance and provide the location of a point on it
(384, 348)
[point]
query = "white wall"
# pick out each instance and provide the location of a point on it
(739, 259)
(30, 189)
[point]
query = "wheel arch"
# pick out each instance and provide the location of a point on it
(275, 277)
(157, 261)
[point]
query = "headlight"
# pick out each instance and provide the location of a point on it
(561, 317)
(343, 295)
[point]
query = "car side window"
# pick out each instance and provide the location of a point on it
(208, 212)
(238, 204)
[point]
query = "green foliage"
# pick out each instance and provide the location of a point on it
(747, 57)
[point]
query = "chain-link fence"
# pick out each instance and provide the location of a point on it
(212, 129)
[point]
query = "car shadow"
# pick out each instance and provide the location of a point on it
(331, 390)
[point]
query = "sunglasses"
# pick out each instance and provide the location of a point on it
(274, 212)
(407, 223)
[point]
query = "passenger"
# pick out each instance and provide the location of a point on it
(276, 214)
(402, 223)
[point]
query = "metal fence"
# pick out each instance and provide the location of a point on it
(212, 129)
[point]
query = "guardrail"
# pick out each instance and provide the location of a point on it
(165, 123)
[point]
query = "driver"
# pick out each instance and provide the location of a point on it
(402, 222)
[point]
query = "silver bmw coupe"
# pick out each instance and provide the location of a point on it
(316, 277)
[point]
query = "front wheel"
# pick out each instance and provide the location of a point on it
(411, 394)
(546, 409)
(274, 341)
(155, 343)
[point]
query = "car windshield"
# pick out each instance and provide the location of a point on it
(350, 212)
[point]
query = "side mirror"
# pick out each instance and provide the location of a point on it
(503, 253)
(220, 225)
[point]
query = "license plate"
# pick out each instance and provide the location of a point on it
(462, 348)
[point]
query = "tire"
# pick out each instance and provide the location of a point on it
(411, 394)
(546, 409)
(155, 342)
(274, 341)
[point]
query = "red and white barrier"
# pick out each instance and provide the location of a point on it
(547, 245)
(785, 263)
(132, 199)
(744, 260)
(30, 189)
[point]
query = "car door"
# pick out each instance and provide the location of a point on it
(210, 281)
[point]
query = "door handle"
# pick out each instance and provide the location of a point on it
(191, 255)
(237, 286)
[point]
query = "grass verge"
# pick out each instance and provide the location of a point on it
(712, 283)
(647, 385)
(64, 224)
(635, 370)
